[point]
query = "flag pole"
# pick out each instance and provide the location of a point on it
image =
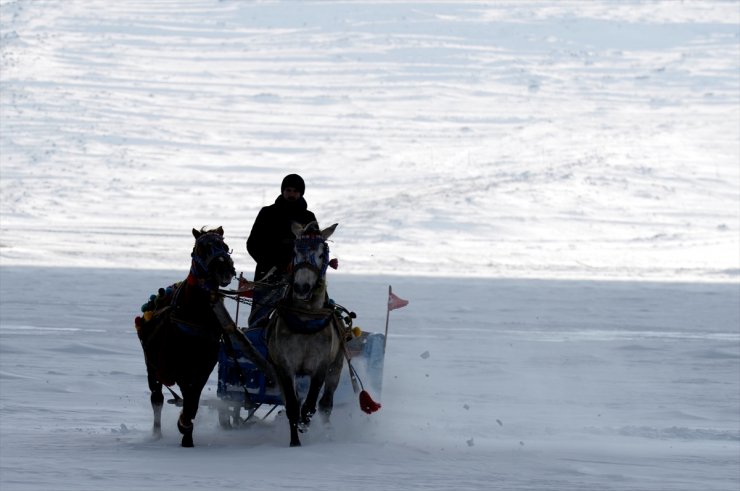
(387, 317)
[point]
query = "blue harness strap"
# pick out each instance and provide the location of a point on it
(300, 325)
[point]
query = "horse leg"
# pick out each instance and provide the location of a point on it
(185, 421)
(309, 405)
(190, 400)
(326, 404)
(287, 387)
(157, 400)
(185, 426)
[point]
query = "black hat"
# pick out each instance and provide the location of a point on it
(293, 181)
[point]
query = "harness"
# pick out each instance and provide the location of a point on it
(177, 316)
(196, 330)
(301, 321)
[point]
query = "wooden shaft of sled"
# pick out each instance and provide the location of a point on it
(248, 349)
(387, 317)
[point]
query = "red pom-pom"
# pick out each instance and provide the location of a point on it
(367, 404)
(334, 263)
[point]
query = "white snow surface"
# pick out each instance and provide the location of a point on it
(555, 187)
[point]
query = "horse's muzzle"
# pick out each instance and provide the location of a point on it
(224, 267)
(302, 290)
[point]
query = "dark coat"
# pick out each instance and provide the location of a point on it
(270, 242)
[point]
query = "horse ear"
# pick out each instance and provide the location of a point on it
(297, 229)
(326, 233)
(196, 233)
(220, 231)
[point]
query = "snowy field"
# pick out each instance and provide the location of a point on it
(489, 384)
(555, 187)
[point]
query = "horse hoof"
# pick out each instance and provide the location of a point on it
(187, 441)
(185, 429)
(295, 444)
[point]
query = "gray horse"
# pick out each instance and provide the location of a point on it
(304, 336)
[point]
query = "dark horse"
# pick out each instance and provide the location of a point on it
(181, 337)
(304, 336)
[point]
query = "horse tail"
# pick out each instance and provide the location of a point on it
(154, 333)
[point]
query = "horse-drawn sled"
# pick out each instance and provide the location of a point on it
(296, 357)
(245, 392)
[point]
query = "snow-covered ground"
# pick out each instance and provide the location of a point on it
(555, 186)
(489, 384)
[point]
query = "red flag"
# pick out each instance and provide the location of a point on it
(395, 302)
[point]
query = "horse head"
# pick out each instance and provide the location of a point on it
(212, 261)
(310, 258)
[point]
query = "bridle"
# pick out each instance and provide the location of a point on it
(203, 279)
(216, 247)
(305, 247)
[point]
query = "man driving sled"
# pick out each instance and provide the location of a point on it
(270, 244)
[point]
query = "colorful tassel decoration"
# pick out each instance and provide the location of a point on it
(367, 404)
